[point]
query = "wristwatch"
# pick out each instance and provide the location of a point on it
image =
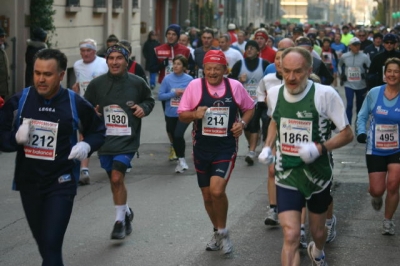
(243, 123)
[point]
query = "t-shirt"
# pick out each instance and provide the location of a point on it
(84, 73)
(232, 56)
(192, 96)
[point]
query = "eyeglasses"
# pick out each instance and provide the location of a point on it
(389, 42)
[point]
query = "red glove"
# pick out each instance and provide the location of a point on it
(1, 102)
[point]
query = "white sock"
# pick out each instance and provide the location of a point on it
(328, 222)
(121, 211)
(222, 231)
(316, 253)
(84, 168)
(127, 209)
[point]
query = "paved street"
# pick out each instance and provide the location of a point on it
(171, 227)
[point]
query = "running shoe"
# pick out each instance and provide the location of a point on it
(128, 222)
(183, 163)
(388, 227)
(272, 217)
(250, 157)
(84, 178)
(376, 203)
(303, 239)
(179, 168)
(213, 245)
(315, 262)
(119, 230)
(225, 242)
(331, 230)
(172, 154)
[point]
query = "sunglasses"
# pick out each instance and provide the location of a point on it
(389, 42)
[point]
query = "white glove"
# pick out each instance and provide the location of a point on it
(22, 135)
(308, 151)
(80, 151)
(266, 157)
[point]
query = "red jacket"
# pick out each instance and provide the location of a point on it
(268, 54)
(164, 51)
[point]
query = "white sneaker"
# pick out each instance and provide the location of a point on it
(303, 238)
(214, 244)
(84, 178)
(315, 262)
(250, 157)
(183, 163)
(331, 230)
(225, 242)
(272, 217)
(388, 227)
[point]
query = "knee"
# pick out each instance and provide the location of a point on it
(291, 235)
(217, 194)
(376, 191)
(116, 180)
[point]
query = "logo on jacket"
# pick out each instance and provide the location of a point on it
(381, 111)
(218, 103)
(47, 109)
(304, 114)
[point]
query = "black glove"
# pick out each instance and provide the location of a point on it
(343, 77)
(362, 138)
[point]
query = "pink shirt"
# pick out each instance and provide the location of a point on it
(192, 95)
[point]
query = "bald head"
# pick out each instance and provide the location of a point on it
(285, 43)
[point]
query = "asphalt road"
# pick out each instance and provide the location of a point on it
(171, 227)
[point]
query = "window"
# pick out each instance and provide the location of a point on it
(73, 3)
(99, 3)
(117, 4)
(135, 4)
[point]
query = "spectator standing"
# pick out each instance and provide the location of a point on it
(148, 50)
(4, 66)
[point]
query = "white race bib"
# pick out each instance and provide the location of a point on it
(215, 122)
(293, 131)
(169, 69)
(116, 121)
(386, 137)
(42, 140)
(353, 74)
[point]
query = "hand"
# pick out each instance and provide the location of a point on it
(362, 138)
(308, 151)
(179, 92)
(80, 151)
(200, 111)
(138, 111)
(97, 110)
(75, 87)
(237, 129)
(22, 135)
(266, 156)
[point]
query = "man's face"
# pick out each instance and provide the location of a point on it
(171, 37)
(223, 44)
(362, 36)
(240, 38)
(389, 45)
(378, 41)
(109, 44)
(214, 73)
(47, 77)
(270, 43)
(207, 39)
(251, 52)
(261, 41)
(295, 73)
(355, 48)
(338, 37)
(88, 55)
(184, 40)
(117, 64)
(345, 31)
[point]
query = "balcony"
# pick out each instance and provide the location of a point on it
(135, 6)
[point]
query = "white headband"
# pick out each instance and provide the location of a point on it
(88, 45)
